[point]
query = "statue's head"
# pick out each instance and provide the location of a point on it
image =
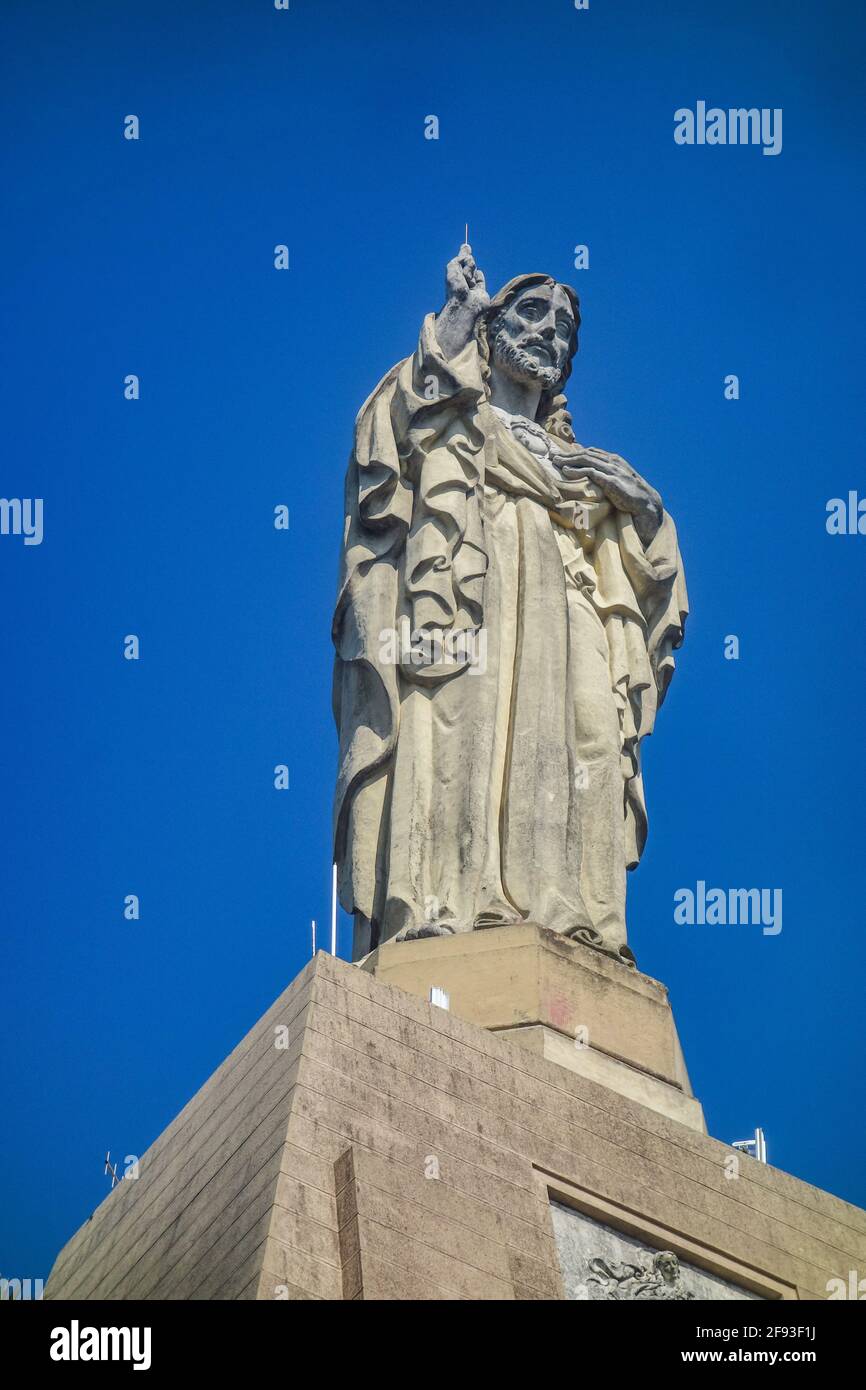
(529, 333)
(667, 1265)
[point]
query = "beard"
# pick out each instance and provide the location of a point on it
(519, 364)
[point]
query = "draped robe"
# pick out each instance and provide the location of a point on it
(499, 781)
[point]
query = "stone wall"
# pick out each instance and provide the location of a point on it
(393, 1150)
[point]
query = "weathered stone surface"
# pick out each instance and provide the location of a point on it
(560, 998)
(508, 609)
(396, 1151)
(602, 1264)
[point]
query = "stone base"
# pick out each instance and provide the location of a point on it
(562, 999)
(607, 1071)
(360, 1143)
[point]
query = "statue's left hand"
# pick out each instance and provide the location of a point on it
(623, 486)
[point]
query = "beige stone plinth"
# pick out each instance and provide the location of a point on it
(360, 1143)
(562, 999)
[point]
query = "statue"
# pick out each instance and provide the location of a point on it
(621, 1283)
(509, 604)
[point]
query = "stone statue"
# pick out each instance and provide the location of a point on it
(509, 603)
(622, 1283)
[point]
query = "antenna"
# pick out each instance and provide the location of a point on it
(466, 238)
(757, 1147)
(112, 1169)
(334, 910)
(313, 925)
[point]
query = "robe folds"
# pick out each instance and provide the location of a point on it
(491, 774)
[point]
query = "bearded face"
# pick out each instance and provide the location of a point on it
(530, 340)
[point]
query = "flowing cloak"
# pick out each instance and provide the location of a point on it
(507, 789)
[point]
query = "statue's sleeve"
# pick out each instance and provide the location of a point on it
(642, 640)
(658, 580)
(435, 413)
(410, 530)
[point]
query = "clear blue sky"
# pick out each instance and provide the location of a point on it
(260, 127)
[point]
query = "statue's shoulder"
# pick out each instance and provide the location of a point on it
(383, 388)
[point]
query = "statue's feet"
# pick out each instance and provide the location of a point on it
(588, 936)
(421, 929)
(497, 917)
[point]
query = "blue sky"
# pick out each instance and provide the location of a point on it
(155, 257)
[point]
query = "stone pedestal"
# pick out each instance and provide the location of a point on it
(361, 1143)
(563, 1000)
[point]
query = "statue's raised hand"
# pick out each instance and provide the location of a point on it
(466, 298)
